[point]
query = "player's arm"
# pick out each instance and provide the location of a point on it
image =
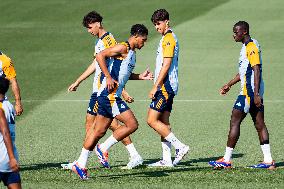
(90, 70)
(254, 60)
(17, 95)
(8, 141)
(163, 73)
(227, 87)
(146, 75)
(101, 59)
(257, 98)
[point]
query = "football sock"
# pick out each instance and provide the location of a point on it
(166, 146)
(266, 153)
(228, 154)
(131, 150)
(110, 141)
(174, 141)
(82, 161)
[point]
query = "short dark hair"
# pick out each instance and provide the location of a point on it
(4, 85)
(91, 18)
(160, 15)
(139, 29)
(243, 24)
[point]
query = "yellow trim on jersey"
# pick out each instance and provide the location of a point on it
(99, 81)
(1, 106)
(246, 91)
(252, 54)
(108, 41)
(7, 67)
(111, 96)
(168, 45)
(164, 92)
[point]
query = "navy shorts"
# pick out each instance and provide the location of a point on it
(93, 105)
(246, 104)
(111, 107)
(10, 178)
(162, 102)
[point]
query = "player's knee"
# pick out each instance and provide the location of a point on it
(150, 121)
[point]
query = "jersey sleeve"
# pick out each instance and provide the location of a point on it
(168, 46)
(8, 68)
(252, 54)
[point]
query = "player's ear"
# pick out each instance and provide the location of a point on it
(167, 22)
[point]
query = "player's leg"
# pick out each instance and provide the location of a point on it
(15, 186)
(134, 157)
(238, 114)
(89, 123)
(257, 115)
(93, 135)
(166, 160)
(154, 121)
(90, 119)
(130, 125)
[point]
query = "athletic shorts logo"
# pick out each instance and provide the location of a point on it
(238, 104)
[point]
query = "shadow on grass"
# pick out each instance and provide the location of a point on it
(181, 165)
(153, 172)
(280, 164)
(40, 166)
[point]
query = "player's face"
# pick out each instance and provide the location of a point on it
(161, 26)
(239, 33)
(141, 41)
(94, 28)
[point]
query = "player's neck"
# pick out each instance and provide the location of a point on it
(246, 39)
(166, 30)
(101, 32)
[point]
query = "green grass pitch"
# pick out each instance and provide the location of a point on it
(50, 49)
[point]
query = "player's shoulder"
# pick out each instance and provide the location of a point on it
(252, 45)
(169, 38)
(5, 59)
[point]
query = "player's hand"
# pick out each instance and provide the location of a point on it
(225, 89)
(127, 97)
(14, 165)
(73, 87)
(146, 75)
(18, 108)
(257, 101)
(110, 84)
(153, 92)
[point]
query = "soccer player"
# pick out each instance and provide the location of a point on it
(7, 70)
(250, 99)
(93, 22)
(115, 74)
(9, 167)
(164, 89)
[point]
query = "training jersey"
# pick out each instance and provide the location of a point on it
(6, 67)
(250, 56)
(120, 70)
(104, 42)
(168, 48)
(7, 107)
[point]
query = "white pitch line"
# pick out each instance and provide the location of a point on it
(177, 100)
